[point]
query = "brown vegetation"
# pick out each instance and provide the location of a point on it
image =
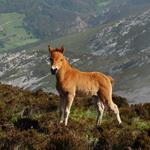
(28, 120)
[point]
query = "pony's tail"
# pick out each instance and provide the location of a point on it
(112, 81)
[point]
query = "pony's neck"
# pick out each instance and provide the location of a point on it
(63, 70)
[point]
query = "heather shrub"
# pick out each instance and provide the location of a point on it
(140, 111)
(127, 115)
(113, 136)
(143, 140)
(120, 101)
(29, 121)
(9, 137)
(65, 141)
(62, 138)
(47, 118)
(147, 108)
(33, 140)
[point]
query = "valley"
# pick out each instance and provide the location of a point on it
(13, 33)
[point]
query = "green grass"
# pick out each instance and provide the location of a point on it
(100, 4)
(78, 114)
(75, 42)
(140, 124)
(14, 34)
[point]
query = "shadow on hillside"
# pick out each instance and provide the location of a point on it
(26, 123)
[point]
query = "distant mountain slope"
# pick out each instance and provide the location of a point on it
(128, 36)
(48, 20)
(52, 18)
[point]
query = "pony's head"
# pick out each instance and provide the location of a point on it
(56, 58)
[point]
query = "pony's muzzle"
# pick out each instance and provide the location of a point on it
(53, 71)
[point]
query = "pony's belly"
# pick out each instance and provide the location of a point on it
(83, 93)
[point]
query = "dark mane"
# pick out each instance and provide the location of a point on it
(57, 50)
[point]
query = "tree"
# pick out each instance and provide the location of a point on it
(2, 44)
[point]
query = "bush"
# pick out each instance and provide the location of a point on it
(140, 111)
(62, 138)
(143, 140)
(110, 138)
(120, 101)
(28, 120)
(9, 137)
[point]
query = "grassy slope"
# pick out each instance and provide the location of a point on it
(13, 33)
(74, 42)
(28, 120)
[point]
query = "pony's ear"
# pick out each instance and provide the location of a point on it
(62, 50)
(50, 49)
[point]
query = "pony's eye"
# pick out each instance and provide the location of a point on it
(61, 60)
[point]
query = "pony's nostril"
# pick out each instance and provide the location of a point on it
(53, 71)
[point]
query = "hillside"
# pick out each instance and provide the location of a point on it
(28, 120)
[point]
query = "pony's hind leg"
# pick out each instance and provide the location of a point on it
(100, 108)
(107, 99)
(117, 113)
(115, 110)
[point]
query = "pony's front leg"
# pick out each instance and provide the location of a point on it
(61, 108)
(69, 100)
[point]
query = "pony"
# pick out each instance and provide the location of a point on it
(70, 82)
